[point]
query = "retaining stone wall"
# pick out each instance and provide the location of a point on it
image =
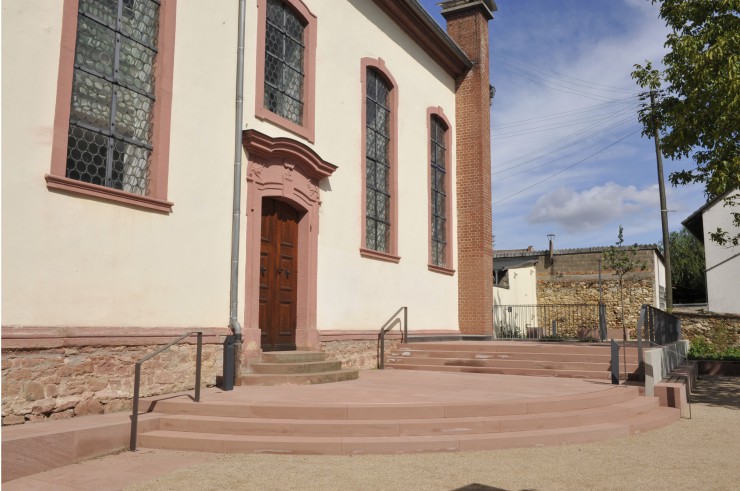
(637, 291)
(60, 383)
(720, 330)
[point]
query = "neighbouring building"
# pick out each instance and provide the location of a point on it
(722, 261)
(571, 276)
(360, 190)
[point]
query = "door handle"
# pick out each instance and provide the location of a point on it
(263, 269)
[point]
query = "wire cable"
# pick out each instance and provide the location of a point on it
(566, 168)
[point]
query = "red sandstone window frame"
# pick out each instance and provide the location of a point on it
(378, 64)
(438, 112)
(307, 128)
(56, 179)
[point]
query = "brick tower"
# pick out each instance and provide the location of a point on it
(467, 25)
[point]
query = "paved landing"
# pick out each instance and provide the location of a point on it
(402, 386)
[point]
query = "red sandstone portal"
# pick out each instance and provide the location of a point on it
(288, 171)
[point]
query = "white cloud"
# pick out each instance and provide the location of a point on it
(593, 208)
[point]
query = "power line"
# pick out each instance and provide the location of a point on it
(539, 68)
(559, 115)
(555, 126)
(566, 141)
(566, 168)
(556, 85)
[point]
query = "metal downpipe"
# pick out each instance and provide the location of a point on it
(234, 325)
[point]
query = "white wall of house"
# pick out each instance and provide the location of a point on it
(75, 261)
(522, 288)
(722, 262)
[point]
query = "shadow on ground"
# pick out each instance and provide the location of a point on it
(717, 391)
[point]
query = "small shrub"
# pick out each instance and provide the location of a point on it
(703, 349)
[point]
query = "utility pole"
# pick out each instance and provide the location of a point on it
(663, 210)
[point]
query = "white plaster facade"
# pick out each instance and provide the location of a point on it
(76, 261)
(522, 287)
(722, 262)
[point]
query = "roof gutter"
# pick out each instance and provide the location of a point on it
(422, 28)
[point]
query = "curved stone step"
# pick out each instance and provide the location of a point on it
(292, 356)
(299, 378)
(597, 375)
(351, 445)
(407, 427)
(423, 410)
(394, 361)
(504, 355)
(295, 367)
(508, 355)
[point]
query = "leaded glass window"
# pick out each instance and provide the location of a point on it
(439, 193)
(284, 58)
(377, 162)
(110, 126)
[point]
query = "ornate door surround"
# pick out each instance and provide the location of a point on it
(287, 170)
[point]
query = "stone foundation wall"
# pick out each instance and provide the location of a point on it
(361, 354)
(637, 291)
(60, 382)
(359, 348)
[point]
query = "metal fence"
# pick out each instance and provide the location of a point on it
(580, 321)
(660, 327)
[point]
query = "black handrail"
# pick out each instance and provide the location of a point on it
(390, 323)
(137, 380)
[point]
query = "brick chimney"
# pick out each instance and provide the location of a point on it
(467, 25)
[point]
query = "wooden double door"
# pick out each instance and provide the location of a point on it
(278, 275)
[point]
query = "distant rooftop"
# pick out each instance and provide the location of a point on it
(530, 252)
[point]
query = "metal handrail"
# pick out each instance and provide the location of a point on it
(390, 324)
(137, 380)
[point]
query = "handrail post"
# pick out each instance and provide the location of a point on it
(135, 415)
(615, 362)
(381, 358)
(405, 325)
(198, 359)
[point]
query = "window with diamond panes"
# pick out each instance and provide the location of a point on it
(110, 127)
(377, 162)
(284, 58)
(439, 193)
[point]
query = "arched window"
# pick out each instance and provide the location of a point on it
(377, 162)
(284, 50)
(440, 192)
(286, 65)
(379, 227)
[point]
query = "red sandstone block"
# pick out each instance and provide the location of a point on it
(671, 394)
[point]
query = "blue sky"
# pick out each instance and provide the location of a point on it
(567, 154)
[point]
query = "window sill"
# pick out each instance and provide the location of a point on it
(305, 130)
(441, 269)
(380, 256)
(86, 189)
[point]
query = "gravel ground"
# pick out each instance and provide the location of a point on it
(698, 453)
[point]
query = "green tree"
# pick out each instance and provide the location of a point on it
(697, 95)
(622, 260)
(687, 261)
